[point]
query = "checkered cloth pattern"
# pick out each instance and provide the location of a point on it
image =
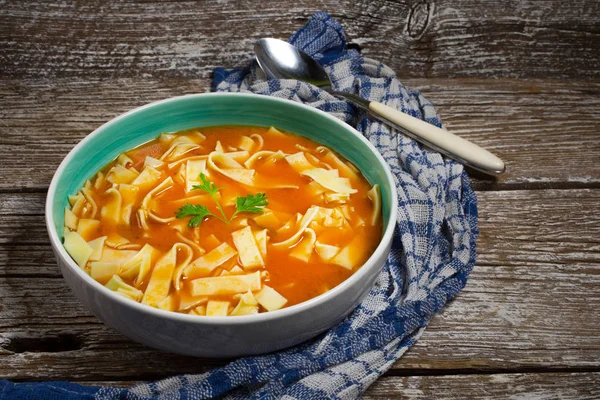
(433, 248)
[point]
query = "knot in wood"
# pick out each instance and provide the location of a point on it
(28, 343)
(418, 18)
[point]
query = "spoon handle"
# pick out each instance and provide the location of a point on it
(453, 146)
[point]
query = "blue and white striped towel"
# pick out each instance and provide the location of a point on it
(433, 249)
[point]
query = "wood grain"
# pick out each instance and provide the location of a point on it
(421, 39)
(531, 302)
(567, 386)
(509, 117)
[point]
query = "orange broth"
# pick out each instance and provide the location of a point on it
(292, 278)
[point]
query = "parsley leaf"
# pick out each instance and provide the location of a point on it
(252, 203)
(211, 189)
(207, 185)
(197, 211)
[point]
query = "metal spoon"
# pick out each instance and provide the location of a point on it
(281, 60)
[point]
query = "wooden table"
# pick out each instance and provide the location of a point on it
(520, 78)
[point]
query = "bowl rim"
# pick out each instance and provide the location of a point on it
(225, 320)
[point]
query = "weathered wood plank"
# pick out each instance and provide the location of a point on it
(444, 39)
(47, 118)
(575, 386)
(23, 230)
(546, 131)
(22, 203)
(531, 302)
(532, 291)
(28, 260)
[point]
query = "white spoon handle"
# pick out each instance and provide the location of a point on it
(440, 140)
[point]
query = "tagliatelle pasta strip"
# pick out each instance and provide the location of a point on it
(178, 150)
(223, 285)
(375, 197)
(305, 248)
(311, 213)
(249, 253)
(165, 268)
(209, 261)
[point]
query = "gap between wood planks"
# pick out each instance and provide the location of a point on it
(491, 371)
(391, 373)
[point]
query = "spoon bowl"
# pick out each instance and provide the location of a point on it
(281, 60)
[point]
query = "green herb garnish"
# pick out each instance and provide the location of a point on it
(197, 211)
(211, 189)
(252, 203)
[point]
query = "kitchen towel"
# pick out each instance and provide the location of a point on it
(433, 249)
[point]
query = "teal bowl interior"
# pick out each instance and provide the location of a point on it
(145, 123)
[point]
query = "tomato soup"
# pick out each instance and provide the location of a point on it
(223, 221)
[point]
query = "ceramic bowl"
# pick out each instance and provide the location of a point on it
(217, 336)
